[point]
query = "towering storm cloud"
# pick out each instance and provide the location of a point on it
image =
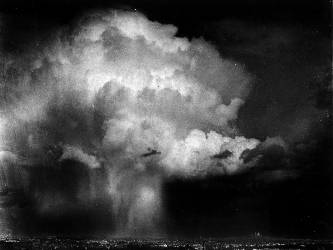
(119, 103)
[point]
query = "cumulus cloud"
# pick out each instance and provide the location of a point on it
(113, 85)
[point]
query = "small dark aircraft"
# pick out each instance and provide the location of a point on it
(151, 152)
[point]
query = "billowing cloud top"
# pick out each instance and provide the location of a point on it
(117, 82)
(110, 107)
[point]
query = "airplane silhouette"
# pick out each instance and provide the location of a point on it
(151, 152)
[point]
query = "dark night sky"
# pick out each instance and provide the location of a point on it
(286, 48)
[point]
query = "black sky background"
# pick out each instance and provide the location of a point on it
(287, 46)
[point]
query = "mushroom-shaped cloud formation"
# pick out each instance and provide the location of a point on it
(111, 86)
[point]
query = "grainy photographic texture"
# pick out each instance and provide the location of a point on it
(165, 119)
